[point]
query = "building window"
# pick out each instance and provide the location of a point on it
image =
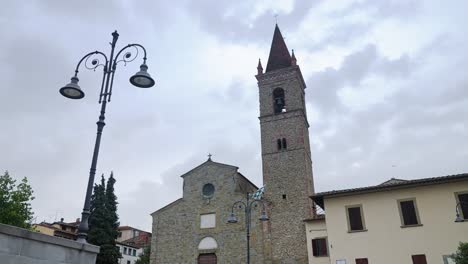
(355, 218)
(208, 190)
(362, 261)
(208, 221)
(448, 259)
(134, 252)
(408, 212)
(462, 201)
(120, 234)
(319, 247)
(278, 100)
(281, 144)
(128, 262)
(125, 251)
(419, 259)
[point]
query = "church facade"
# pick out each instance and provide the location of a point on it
(194, 228)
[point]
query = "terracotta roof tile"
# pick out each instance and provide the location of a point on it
(389, 185)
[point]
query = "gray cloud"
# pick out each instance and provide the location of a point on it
(374, 109)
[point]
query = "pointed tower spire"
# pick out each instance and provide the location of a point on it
(293, 59)
(279, 54)
(259, 68)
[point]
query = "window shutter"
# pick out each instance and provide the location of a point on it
(314, 248)
(409, 213)
(319, 247)
(362, 261)
(355, 220)
(419, 259)
(463, 199)
(323, 247)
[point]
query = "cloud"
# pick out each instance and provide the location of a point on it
(386, 86)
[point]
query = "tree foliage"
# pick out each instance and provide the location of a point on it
(15, 206)
(144, 258)
(461, 256)
(104, 221)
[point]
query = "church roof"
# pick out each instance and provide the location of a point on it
(208, 162)
(279, 54)
(391, 184)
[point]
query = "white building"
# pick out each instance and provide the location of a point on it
(130, 253)
(396, 222)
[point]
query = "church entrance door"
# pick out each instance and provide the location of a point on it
(207, 259)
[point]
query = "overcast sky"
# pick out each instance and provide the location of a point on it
(387, 93)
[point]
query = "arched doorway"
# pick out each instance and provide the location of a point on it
(207, 259)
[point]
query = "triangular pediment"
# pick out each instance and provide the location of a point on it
(207, 164)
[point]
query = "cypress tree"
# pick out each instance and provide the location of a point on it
(97, 224)
(103, 221)
(112, 219)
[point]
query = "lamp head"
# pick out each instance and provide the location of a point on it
(264, 216)
(72, 90)
(142, 78)
(232, 219)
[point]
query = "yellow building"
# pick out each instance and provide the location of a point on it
(58, 229)
(396, 222)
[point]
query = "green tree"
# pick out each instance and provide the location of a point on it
(103, 221)
(461, 256)
(15, 206)
(144, 258)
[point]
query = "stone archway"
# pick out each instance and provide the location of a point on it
(207, 243)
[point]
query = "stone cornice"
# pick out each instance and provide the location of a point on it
(288, 114)
(279, 75)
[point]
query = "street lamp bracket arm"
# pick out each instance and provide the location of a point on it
(128, 56)
(94, 63)
(238, 203)
(254, 202)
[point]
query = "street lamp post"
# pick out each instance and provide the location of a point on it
(73, 91)
(458, 207)
(247, 205)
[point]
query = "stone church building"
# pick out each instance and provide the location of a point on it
(194, 228)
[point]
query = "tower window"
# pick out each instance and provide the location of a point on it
(278, 100)
(281, 144)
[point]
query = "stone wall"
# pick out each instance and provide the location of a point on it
(21, 246)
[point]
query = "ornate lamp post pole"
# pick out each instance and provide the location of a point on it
(73, 91)
(247, 205)
(458, 208)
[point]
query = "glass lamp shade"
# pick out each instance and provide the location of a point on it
(72, 90)
(264, 217)
(232, 219)
(142, 78)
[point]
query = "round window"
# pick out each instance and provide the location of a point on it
(208, 190)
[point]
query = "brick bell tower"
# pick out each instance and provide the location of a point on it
(286, 157)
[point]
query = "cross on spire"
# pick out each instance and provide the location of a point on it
(209, 156)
